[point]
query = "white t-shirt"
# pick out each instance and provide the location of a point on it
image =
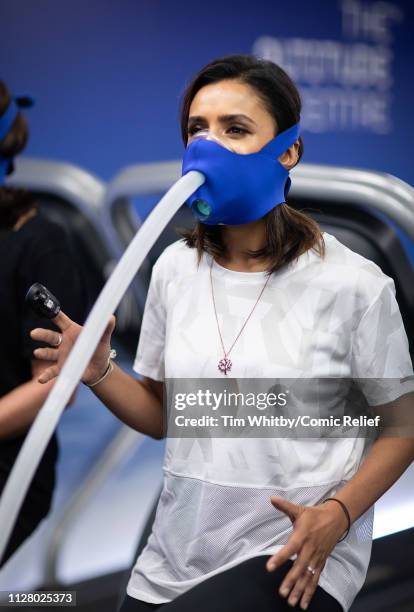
(330, 317)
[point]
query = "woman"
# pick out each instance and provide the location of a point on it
(222, 537)
(32, 249)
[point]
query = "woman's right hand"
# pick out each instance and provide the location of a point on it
(59, 349)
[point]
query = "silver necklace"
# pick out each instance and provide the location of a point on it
(225, 364)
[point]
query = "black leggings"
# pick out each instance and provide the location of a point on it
(244, 587)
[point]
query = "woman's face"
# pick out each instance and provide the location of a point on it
(232, 112)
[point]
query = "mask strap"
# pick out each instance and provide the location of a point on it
(282, 142)
(6, 166)
(6, 122)
(7, 119)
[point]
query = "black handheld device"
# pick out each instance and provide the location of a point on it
(42, 301)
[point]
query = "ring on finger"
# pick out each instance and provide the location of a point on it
(59, 342)
(311, 570)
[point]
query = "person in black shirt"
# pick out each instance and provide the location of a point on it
(32, 249)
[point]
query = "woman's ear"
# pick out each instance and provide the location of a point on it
(290, 158)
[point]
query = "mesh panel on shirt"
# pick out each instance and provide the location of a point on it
(201, 526)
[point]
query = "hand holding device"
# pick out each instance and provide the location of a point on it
(46, 304)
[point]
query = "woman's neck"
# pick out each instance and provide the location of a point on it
(239, 239)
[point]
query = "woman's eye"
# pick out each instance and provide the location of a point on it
(235, 129)
(194, 129)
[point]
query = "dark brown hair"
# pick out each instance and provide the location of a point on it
(13, 202)
(289, 232)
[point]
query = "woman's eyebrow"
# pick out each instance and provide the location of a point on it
(222, 119)
(196, 119)
(238, 117)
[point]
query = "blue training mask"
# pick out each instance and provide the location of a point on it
(238, 188)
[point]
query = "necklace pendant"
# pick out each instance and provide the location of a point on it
(224, 365)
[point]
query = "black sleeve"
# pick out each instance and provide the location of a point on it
(49, 260)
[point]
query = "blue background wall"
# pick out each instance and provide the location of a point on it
(107, 74)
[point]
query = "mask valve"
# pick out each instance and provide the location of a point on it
(201, 208)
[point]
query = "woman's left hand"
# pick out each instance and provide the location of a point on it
(316, 530)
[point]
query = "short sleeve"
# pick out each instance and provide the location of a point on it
(149, 359)
(380, 350)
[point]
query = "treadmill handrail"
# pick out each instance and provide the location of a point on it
(61, 179)
(377, 190)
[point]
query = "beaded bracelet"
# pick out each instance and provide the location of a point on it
(345, 509)
(108, 370)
